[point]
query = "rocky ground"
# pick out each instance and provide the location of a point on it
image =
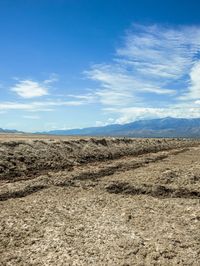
(96, 201)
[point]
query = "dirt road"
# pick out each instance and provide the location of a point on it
(128, 209)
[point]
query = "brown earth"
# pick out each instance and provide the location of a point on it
(99, 201)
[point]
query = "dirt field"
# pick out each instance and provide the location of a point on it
(96, 201)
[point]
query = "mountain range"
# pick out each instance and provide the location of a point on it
(161, 127)
(9, 131)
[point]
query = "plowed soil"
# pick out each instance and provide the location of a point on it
(99, 201)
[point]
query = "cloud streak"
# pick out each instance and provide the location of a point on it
(37, 106)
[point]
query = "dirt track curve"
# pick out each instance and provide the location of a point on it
(99, 202)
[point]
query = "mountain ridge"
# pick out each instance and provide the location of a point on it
(159, 127)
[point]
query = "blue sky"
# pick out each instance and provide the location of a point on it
(72, 64)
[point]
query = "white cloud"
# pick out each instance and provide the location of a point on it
(194, 87)
(109, 121)
(29, 89)
(130, 114)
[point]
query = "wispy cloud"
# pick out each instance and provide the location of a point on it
(118, 86)
(34, 117)
(152, 60)
(158, 51)
(37, 106)
(87, 98)
(52, 78)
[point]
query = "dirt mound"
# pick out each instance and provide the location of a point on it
(26, 158)
(158, 191)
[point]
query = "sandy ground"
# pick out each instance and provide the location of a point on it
(137, 207)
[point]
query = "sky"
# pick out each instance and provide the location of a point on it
(79, 63)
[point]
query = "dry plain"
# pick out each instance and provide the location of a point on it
(99, 201)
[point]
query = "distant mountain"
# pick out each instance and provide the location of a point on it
(162, 127)
(9, 131)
